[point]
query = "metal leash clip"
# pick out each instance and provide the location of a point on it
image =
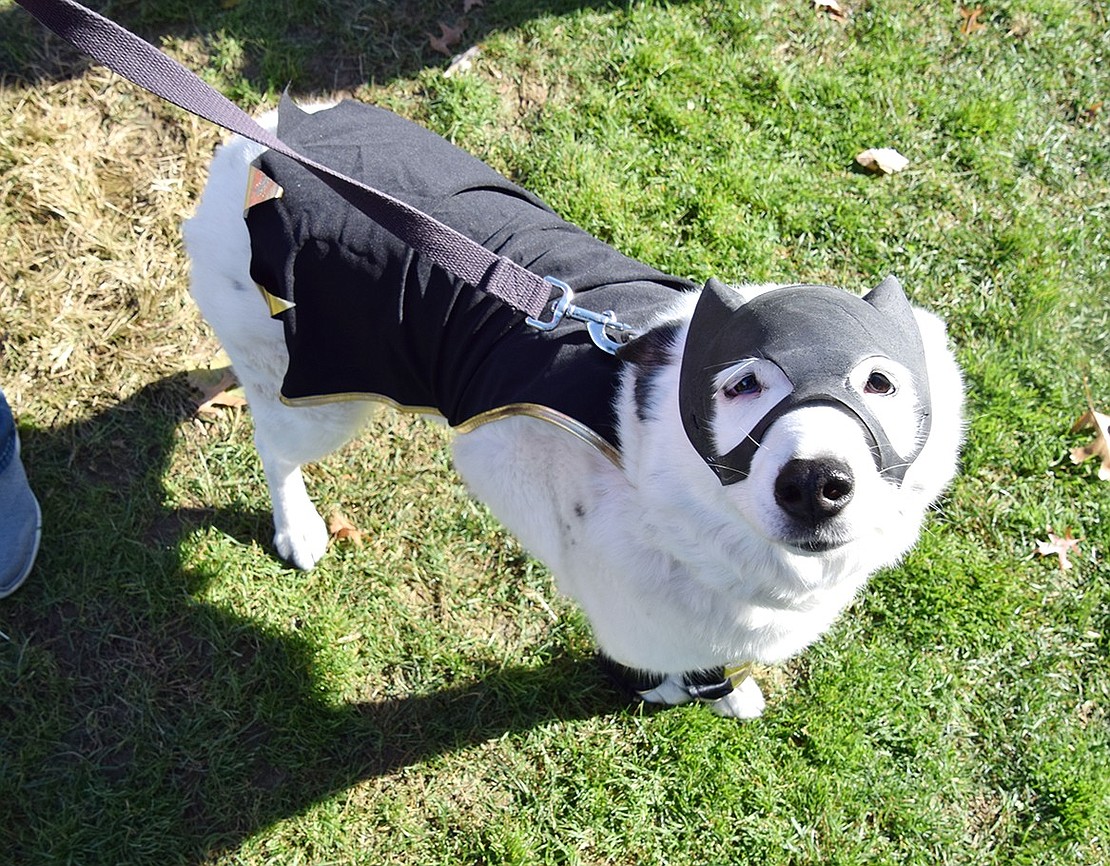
(597, 324)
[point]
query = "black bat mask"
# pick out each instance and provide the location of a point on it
(816, 335)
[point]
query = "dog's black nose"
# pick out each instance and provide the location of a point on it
(812, 491)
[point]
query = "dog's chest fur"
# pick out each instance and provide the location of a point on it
(650, 542)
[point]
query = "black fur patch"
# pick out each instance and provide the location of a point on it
(651, 352)
(707, 685)
(628, 680)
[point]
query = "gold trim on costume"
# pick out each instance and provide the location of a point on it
(530, 410)
(260, 187)
(276, 305)
(357, 397)
(738, 672)
(545, 413)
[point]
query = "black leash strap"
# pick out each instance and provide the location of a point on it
(140, 62)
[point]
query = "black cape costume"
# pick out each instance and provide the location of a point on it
(366, 316)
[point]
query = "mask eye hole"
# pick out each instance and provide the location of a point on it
(878, 383)
(744, 385)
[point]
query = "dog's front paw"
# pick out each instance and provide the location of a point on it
(302, 542)
(744, 702)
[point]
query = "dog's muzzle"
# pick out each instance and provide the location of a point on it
(816, 335)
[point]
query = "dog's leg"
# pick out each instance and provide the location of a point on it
(300, 535)
(287, 438)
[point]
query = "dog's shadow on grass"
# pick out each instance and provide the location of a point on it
(135, 718)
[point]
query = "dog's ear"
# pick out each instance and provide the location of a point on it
(652, 349)
(889, 297)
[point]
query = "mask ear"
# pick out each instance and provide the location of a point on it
(290, 115)
(712, 316)
(888, 297)
(716, 303)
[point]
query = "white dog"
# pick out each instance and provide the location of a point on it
(713, 496)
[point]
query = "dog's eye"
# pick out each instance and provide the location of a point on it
(878, 383)
(746, 386)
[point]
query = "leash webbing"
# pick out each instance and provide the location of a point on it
(141, 63)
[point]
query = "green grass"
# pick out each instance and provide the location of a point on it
(170, 693)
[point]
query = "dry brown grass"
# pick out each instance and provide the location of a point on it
(96, 179)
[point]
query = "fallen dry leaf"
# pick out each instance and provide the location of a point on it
(832, 8)
(1090, 113)
(461, 63)
(882, 160)
(1059, 546)
(1100, 446)
(341, 529)
(216, 388)
(971, 23)
(448, 36)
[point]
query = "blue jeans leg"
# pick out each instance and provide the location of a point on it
(20, 517)
(7, 433)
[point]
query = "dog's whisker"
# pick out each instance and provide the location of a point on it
(714, 464)
(893, 467)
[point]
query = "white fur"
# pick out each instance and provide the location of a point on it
(674, 571)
